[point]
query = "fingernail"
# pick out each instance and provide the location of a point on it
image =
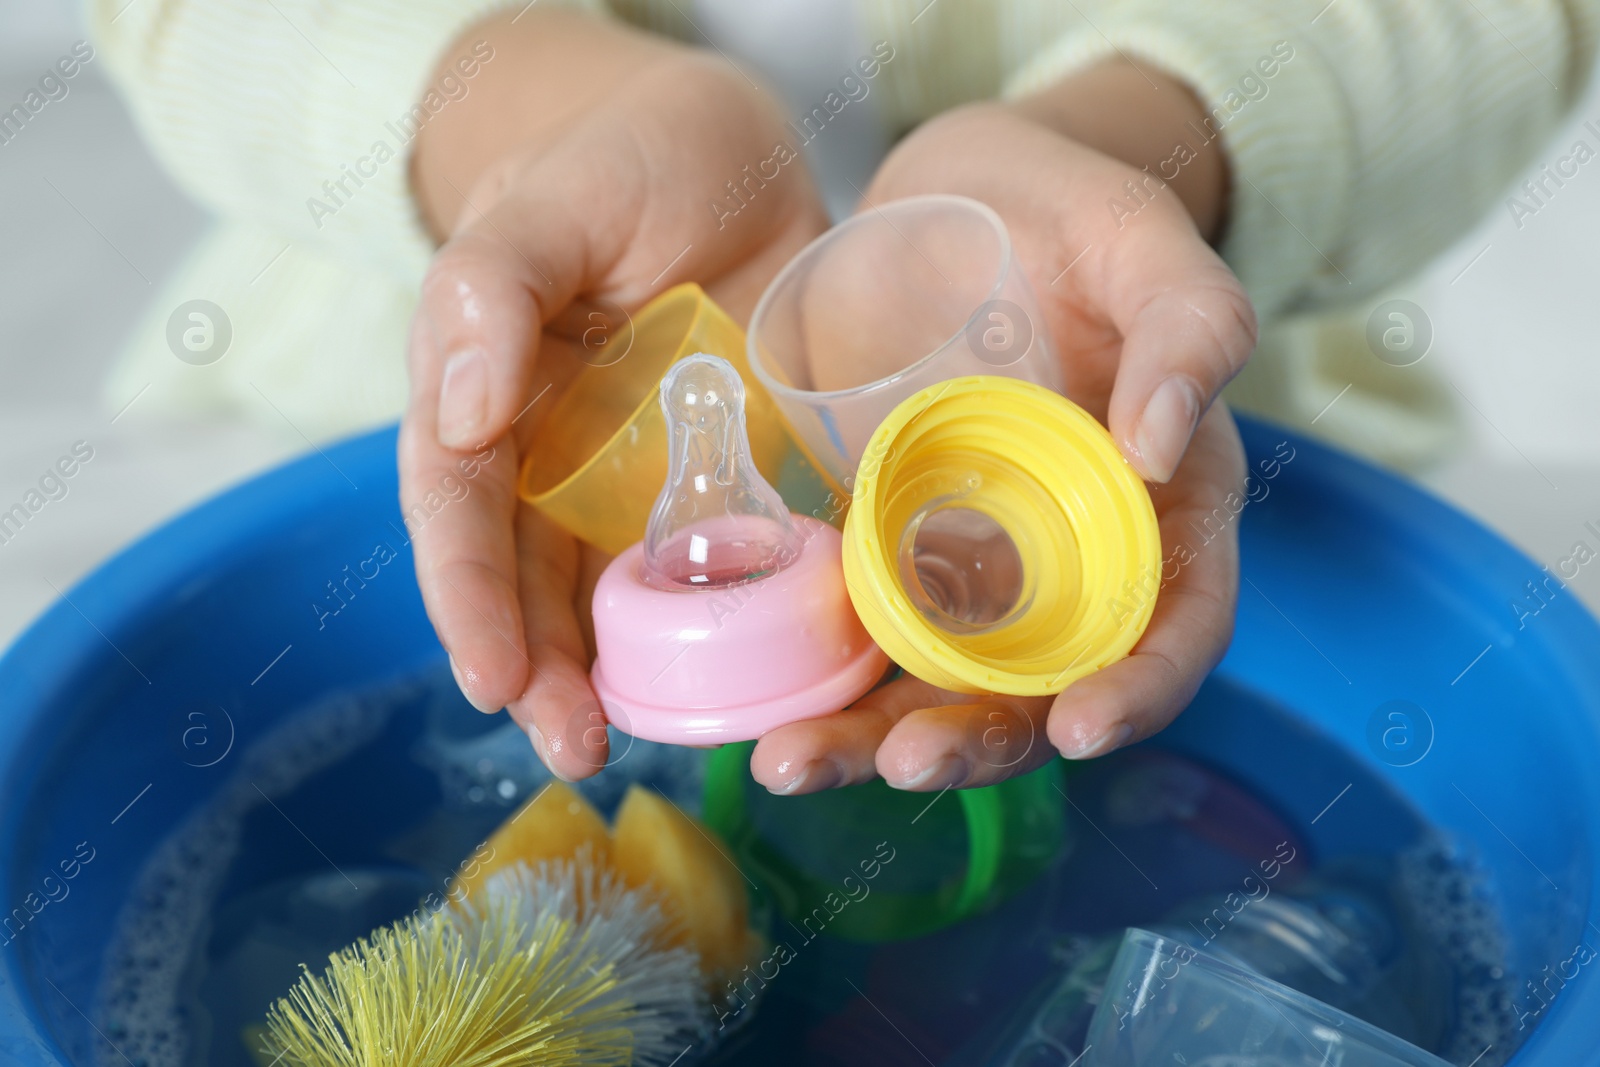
(543, 751)
(1167, 424)
(814, 777)
(948, 773)
(1110, 741)
(464, 398)
(466, 691)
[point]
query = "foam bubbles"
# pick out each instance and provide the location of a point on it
(1447, 895)
(143, 1003)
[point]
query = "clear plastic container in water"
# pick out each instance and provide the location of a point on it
(1165, 1003)
(902, 296)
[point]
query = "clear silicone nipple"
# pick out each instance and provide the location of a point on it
(717, 522)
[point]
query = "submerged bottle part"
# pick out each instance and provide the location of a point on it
(731, 617)
(717, 522)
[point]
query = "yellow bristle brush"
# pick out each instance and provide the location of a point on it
(580, 960)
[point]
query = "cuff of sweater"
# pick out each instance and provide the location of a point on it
(1276, 107)
(385, 91)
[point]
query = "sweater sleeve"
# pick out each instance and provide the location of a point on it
(298, 115)
(1364, 135)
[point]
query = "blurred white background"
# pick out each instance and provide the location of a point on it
(91, 226)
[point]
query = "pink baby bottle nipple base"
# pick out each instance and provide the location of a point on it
(731, 664)
(731, 618)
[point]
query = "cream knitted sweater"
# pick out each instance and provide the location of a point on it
(1390, 128)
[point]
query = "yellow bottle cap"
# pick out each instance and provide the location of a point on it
(597, 463)
(997, 541)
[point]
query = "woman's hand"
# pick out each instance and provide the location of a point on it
(583, 168)
(1150, 325)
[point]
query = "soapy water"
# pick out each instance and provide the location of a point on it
(145, 1003)
(220, 919)
(1415, 951)
(1443, 888)
(195, 961)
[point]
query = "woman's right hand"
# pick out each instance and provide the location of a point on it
(587, 165)
(1149, 324)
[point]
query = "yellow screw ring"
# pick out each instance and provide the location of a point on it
(1049, 474)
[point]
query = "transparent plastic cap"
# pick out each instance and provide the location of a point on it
(717, 521)
(1166, 1003)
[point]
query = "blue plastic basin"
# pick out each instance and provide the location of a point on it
(1359, 590)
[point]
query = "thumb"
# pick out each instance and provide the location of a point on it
(516, 261)
(1187, 329)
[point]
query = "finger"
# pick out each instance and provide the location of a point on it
(531, 239)
(559, 711)
(527, 241)
(591, 565)
(466, 559)
(509, 268)
(562, 716)
(1187, 329)
(1193, 619)
(954, 746)
(477, 332)
(840, 749)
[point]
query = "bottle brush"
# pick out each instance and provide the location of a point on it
(553, 964)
